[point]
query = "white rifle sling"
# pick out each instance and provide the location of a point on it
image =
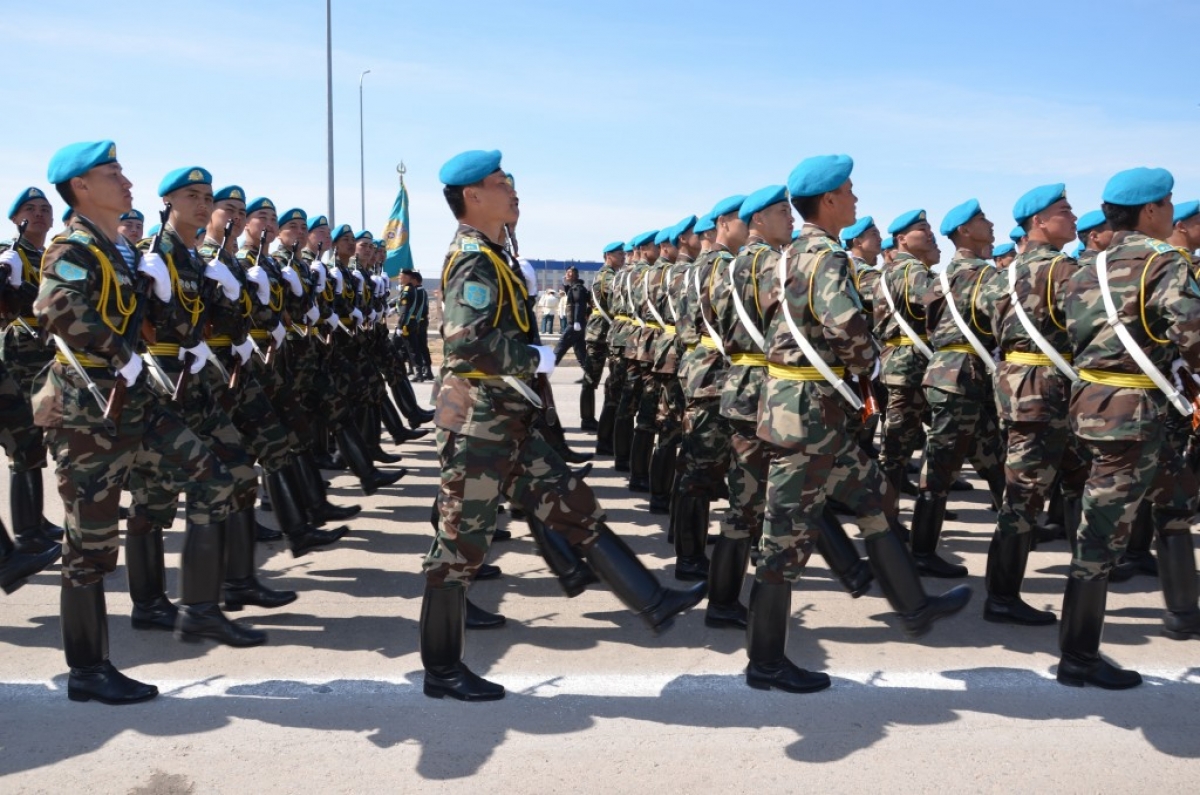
(650, 300)
(1030, 329)
(744, 315)
(905, 328)
(596, 301)
(712, 334)
(632, 304)
(963, 327)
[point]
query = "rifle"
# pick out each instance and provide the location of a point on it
(204, 293)
(866, 391)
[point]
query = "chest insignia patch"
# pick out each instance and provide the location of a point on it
(476, 295)
(70, 271)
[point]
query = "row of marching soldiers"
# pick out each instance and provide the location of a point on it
(175, 364)
(747, 361)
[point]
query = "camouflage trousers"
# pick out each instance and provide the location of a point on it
(705, 452)
(329, 395)
(961, 427)
(798, 484)
(668, 416)
(475, 473)
(632, 386)
(23, 441)
(286, 401)
(747, 481)
(1037, 453)
(647, 407)
(24, 356)
(261, 430)
(901, 426)
(1120, 476)
(92, 468)
(593, 366)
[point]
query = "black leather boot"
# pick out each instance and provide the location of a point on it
(241, 586)
(725, 577)
(691, 538)
(662, 476)
(302, 536)
(766, 643)
(26, 504)
(17, 567)
(1007, 558)
(395, 425)
(554, 434)
(842, 557)
(639, 460)
(604, 429)
(572, 571)
(443, 624)
(49, 529)
(320, 445)
(622, 442)
(928, 514)
(1177, 574)
(901, 584)
(1079, 639)
(147, 575)
(85, 641)
(635, 586)
(200, 573)
(372, 432)
(1055, 527)
(406, 401)
(1073, 517)
(1137, 558)
(351, 443)
(317, 495)
(478, 618)
(587, 409)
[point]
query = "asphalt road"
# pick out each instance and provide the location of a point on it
(596, 703)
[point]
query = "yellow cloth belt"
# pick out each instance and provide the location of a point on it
(652, 324)
(259, 334)
(790, 373)
(897, 342)
(691, 347)
(84, 359)
(299, 329)
(220, 341)
(667, 327)
(1109, 378)
(708, 342)
(163, 349)
(626, 318)
(749, 359)
(1034, 359)
(345, 321)
(478, 376)
(32, 322)
(595, 311)
(958, 347)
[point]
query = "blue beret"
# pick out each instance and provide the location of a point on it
(662, 236)
(66, 214)
(1037, 200)
(888, 244)
(905, 220)
(857, 228)
(959, 216)
(761, 199)
(1016, 234)
(294, 214)
(342, 231)
(1091, 220)
(469, 167)
(133, 215)
(77, 159)
(364, 235)
(1185, 211)
(644, 238)
(795, 234)
(29, 194)
(230, 193)
(317, 221)
(629, 247)
(617, 246)
(704, 224)
(1003, 249)
(261, 203)
(182, 177)
(820, 174)
(684, 225)
(152, 231)
(1139, 186)
(728, 205)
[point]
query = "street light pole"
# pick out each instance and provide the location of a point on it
(329, 99)
(362, 169)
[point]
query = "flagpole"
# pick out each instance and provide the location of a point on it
(362, 169)
(329, 101)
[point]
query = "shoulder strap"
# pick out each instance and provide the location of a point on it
(712, 333)
(744, 314)
(596, 299)
(650, 300)
(904, 325)
(1043, 344)
(983, 353)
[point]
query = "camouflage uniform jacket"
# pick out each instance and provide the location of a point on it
(1027, 393)
(1158, 300)
(740, 388)
(79, 267)
(865, 278)
(908, 280)
(666, 351)
(646, 294)
(487, 328)
(703, 367)
(264, 316)
(824, 304)
(602, 286)
(957, 371)
(635, 307)
(1087, 258)
(227, 318)
(618, 309)
(181, 322)
(20, 301)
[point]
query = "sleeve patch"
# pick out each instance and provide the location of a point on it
(476, 295)
(470, 245)
(70, 271)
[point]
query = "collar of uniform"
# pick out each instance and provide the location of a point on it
(1033, 249)
(813, 230)
(756, 243)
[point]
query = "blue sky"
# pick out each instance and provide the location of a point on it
(615, 117)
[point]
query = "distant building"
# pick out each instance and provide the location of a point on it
(550, 272)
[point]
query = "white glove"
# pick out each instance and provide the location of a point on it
(319, 271)
(219, 272)
(577, 327)
(546, 361)
(335, 273)
(876, 369)
(245, 350)
(277, 334)
(156, 269)
(201, 352)
(334, 322)
(262, 282)
(293, 279)
(371, 318)
(358, 317)
(1179, 369)
(131, 370)
(381, 285)
(15, 267)
(312, 315)
(358, 277)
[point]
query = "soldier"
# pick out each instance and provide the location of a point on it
(816, 334)
(888, 250)
(596, 342)
(634, 374)
(419, 322)
(485, 408)
(864, 244)
(1131, 318)
(1018, 238)
(95, 447)
(578, 306)
(24, 356)
(131, 225)
(1003, 254)
(1094, 237)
